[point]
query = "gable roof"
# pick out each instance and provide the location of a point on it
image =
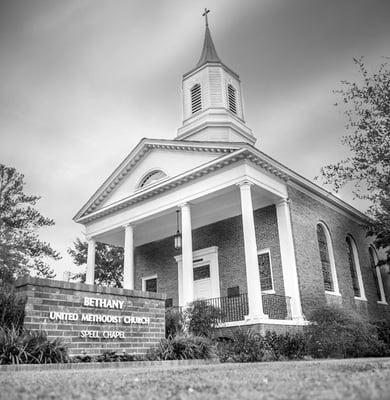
(136, 155)
(230, 152)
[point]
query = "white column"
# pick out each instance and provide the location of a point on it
(255, 303)
(287, 252)
(90, 277)
(187, 272)
(128, 260)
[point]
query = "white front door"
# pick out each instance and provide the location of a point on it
(202, 282)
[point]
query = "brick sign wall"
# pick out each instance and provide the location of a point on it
(91, 318)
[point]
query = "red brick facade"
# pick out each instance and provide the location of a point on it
(45, 296)
(158, 257)
(306, 212)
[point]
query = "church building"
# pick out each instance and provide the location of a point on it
(207, 215)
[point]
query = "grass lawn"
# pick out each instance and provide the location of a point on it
(325, 379)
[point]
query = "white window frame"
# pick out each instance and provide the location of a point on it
(265, 251)
(146, 278)
(336, 290)
(209, 256)
(379, 276)
(355, 255)
(139, 187)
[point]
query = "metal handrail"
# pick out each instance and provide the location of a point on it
(235, 308)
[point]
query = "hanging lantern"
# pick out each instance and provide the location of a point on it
(177, 237)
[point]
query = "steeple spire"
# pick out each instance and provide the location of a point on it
(209, 54)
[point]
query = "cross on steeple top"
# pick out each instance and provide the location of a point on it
(206, 11)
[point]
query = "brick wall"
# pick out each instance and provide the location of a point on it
(306, 212)
(158, 257)
(45, 296)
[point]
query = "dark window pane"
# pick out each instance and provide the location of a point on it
(324, 256)
(202, 272)
(168, 303)
(352, 267)
(233, 291)
(265, 271)
(151, 285)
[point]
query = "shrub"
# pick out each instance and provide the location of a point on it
(174, 322)
(202, 318)
(113, 356)
(335, 332)
(290, 346)
(30, 347)
(11, 308)
(245, 346)
(383, 331)
(182, 348)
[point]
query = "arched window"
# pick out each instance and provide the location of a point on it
(196, 98)
(327, 259)
(152, 177)
(376, 273)
(354, 267)
(232, 99)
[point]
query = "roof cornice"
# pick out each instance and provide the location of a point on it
(235, 152)
(144, 147)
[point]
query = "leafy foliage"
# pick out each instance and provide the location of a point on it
(246, 345)
(182, 348)
(335, 332)
(108, 261)
(30, 347)
(11, 308)
(21, 250)
(368, 168)
(383, 330)
(106, 356)
(290, 346)
(174, 322)
(202, 318)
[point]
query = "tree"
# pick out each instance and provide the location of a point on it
(21, 250)
(108, 262)
(368, 167)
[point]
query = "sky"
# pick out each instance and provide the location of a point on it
(81, 82)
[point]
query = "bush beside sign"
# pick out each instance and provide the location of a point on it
(91, 318)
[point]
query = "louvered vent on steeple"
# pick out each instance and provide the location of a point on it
(232, 99)
(196, 98)
(212, 99)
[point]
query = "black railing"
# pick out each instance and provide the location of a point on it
(232, 308)
(235, 308)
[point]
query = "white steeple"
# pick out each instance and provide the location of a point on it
(212, 100)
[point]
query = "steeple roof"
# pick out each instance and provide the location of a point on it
(209, 54)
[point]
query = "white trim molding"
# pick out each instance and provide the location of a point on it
(378, 275)
(288, 322)
(147, 278)
(358, 271)
(329, 245)
(267, 251)
(208, 255)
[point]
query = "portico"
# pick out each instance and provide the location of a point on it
(232, 187)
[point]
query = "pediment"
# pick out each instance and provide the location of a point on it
(171, 158)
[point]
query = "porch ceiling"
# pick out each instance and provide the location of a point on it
(215, 207)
